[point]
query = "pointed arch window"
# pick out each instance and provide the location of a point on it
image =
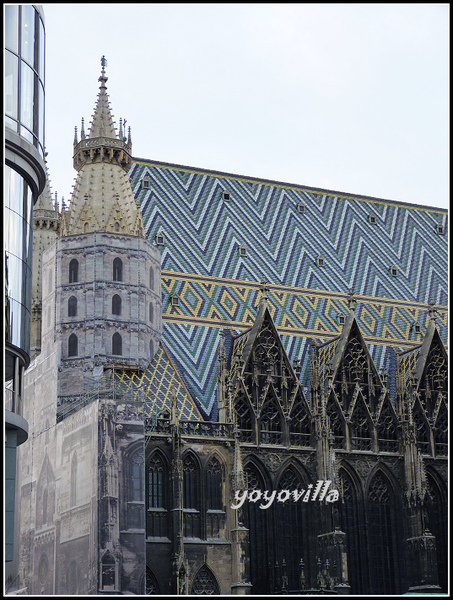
(151, 312)
(151, 278)
(191, 498)
(351, 523)
(205, 583)
(72, 306)
(299, 425)
(73, 345)
(270, 424)
(244, 419)
(382, 537)
(292, 523)
(117, 269)
(74, 271)
(117, 344)
(257, 521)
(214, 480)
(116, 305)
(151, 585)
(360, 427)
(156, 500)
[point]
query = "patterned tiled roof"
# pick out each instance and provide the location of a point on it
(157, 384)
(282, 230)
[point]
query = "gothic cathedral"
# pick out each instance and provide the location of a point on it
(317, 471)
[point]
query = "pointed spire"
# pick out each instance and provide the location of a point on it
(103, 160)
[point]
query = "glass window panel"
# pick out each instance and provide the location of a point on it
(28, 33)
(11, 84)
(11, 27)
(41, 113)
(27, 96)
(42, 49)
(14, 233)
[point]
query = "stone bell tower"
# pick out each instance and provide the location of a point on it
(99, 304)
(107, 275)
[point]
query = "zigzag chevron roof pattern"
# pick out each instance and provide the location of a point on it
(204, 232)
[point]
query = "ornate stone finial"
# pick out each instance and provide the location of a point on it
(351, 301)
(432, 311)
(264, 288)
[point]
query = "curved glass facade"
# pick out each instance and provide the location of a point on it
(24, 73)
(18, 231)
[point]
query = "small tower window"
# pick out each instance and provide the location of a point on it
(394, 271)
(174, 300)
(116, 305)
(372, 219)
(117, 269)
(72, 306)
(151, 349)
(243, 250)
(74, 271)
(440, 229)
(301, 208)
(320, 261)
(151, 278)
(151, 312)
(72, 345)
(117, 344)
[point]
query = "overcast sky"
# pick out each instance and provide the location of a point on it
(347, 97)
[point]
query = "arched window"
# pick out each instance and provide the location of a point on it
(190, 483)
(151, 349)
(270, 423)
(156, 501)
(151, 312)
(214, 478)
(191, 497)
(205, 583)
(73, 345)
(117, 344)
(382, 537)
(151, 585)
(116, 305)
(73, 491)
(351, 524)
(151, 278)
(72, 306)
(244, 418)
(73, 271)
(137, 487)
(257, 521)
(156, 482)
(292, 521)
(117, 269)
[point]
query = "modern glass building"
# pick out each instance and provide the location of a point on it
(24, 177)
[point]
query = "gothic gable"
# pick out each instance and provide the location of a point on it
(268, 398)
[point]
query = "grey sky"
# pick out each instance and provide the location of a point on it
(348, 97)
